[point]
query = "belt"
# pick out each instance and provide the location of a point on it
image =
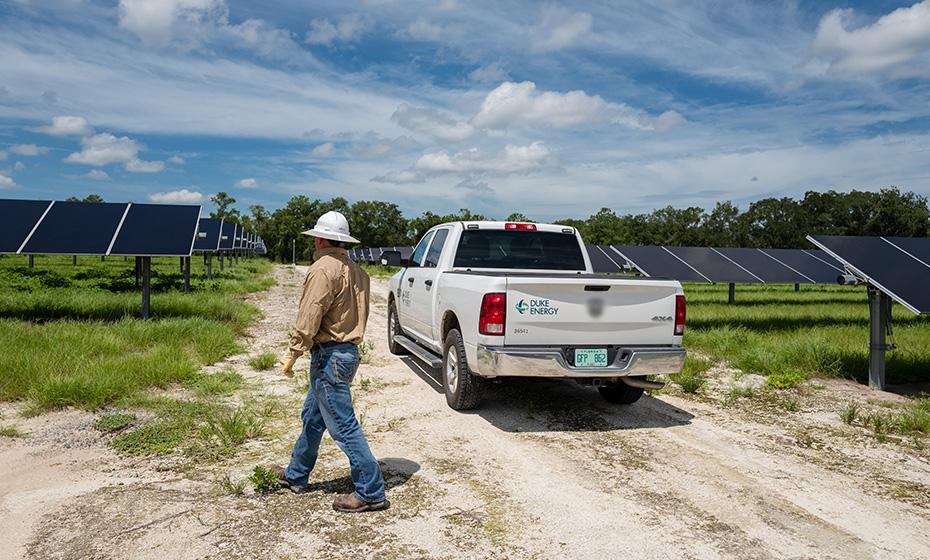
(328, 344)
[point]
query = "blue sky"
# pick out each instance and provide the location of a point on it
(551, 109)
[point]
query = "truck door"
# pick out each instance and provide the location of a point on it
(409, 319)
(424, 301)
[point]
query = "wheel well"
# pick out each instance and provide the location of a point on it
(449, 322)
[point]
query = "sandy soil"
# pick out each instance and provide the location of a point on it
(541, 470)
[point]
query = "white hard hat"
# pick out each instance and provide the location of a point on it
(332, 225)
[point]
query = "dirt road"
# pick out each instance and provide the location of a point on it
(541, 470)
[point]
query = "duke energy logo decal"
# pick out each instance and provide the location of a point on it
(536, 307)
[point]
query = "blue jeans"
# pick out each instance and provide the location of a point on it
(329, 407)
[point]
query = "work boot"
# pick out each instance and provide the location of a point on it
(285, 482)
(350, 503)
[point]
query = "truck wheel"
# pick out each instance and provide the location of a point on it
(463, 390)
(620, 393)
(393, 327)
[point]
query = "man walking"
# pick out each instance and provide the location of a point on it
(331, 324)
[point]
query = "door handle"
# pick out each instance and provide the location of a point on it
(410, 280)
(428, 282)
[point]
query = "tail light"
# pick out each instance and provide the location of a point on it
(679, 315)
(493, 314)
(519, 227)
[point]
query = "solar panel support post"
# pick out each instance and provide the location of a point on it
(138, 269)
(879, 316)
(221, 262)
(73, 260)
(182, 265)
(103, 258)
(146, 287)
(209, 259)
(731, 296)
(187, 273)
(32, 260)
(797, 287)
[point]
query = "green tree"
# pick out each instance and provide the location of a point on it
(88, 198)
(721, 226)
(224, 209)
(377, 224)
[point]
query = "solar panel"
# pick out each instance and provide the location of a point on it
(713, 265)
(17, 218)
(658, 262)
(76, 228)
(919, 247)
(883, 265)
(237, 240)
(208, 234)
(157, 230)
(369, 255)
(405, 252)
(765, 267)
(601, 261)
(813, 264)
(229, 234)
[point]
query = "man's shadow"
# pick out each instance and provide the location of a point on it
(396, 471)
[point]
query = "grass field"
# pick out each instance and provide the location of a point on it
(71, 334)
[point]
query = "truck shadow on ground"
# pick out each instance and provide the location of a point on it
(539, 405)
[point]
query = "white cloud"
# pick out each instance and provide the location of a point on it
(513, 159)
(668, 120)
(431, 121)
(520, 104)
(488, 74)
(155, 22)
(19, 166)
(182, 196)
(474, 185)
(136, 165)
(103, 149)
(325, 149)
(423, 30)
(375, 146)
(97, 175)
(28, 150)
(402, 177)
(247, 183)
(347, 29)
(559, 29)
(66, 126)
(6, 182)
(177, 160)
(898, 42)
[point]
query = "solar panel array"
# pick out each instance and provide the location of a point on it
(373, 254)
(898, 266)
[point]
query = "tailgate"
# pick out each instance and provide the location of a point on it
(566, 311)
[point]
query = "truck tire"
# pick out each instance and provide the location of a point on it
(620, 393)
(393, 327)
(463, 390)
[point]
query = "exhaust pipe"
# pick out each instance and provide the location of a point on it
(642, 383)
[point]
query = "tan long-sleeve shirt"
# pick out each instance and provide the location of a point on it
(334, 304)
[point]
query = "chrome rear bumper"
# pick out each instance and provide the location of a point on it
(549, 362)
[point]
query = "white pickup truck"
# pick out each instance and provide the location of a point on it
(486, 300)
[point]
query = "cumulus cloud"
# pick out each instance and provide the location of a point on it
(898, 42)
(431, 121)
(154, 22)
(177, 160)
(19, 166)
(347, 29)
(488, 74)
(423, 30)
(136, 165)
(513, 159)
(374, 146)
(474, 185)
(559, 28)
(325, 149)
(97, 175)
(28, 150)
(104, 149)
(247, 183)
(402, 177)
(66, 126)
(520, 104)
(182, 196)
(6, 182)
(667, 121)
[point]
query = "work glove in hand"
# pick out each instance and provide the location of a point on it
(287, 363)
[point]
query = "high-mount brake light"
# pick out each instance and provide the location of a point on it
(520, 227)
(680, 315)
(493, 314)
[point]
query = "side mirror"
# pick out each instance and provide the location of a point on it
(391, 258)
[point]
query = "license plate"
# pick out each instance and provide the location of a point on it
(590, 357)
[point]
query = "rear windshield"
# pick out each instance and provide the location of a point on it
(542, 250)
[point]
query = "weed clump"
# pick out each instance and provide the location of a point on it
(11, 432)
(109, 423)
(264, 480)
(263, 361)
(850, 413)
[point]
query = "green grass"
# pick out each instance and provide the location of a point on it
(11, 432)
(221, 383)
(115, 422)
(790, 337)
(71, 336)
(263, 361)
(691, 379)
(379, 271)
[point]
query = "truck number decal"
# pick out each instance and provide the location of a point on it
(521, 331)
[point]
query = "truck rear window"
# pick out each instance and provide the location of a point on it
(542, 250)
